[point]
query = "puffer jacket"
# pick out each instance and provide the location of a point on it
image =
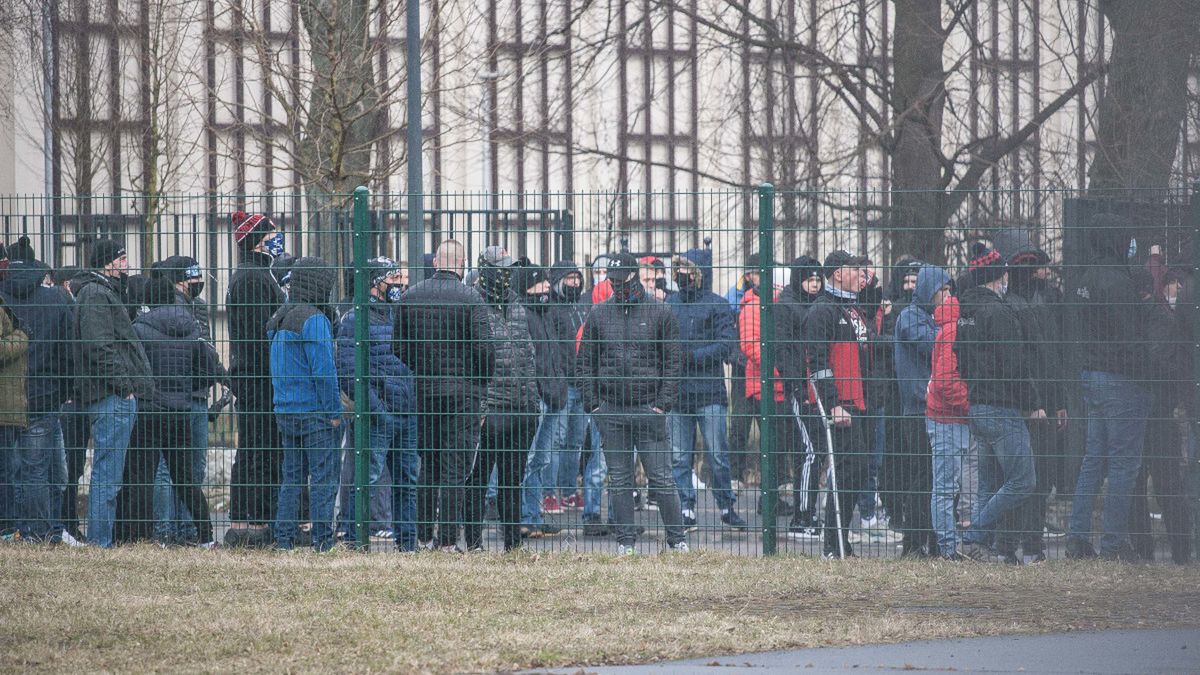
(303, 371)
(180, 359)
(441, 332)
(553, 354)
(946, 400)
(14, 362)
(390, 387)
(706, 333)
(253, 298)
(791, 307)
(514, 386)
(750, 335)
(629, 356)
(46, 316)
(199, 310)
(110, 360)
(916, 331)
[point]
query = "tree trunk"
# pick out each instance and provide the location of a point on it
(1145, 100)
(918, 219)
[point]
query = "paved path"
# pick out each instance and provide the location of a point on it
(1104, 652)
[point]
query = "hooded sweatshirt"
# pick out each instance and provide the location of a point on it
(303, 371)
(916, 331)
(46, 315)
(706, 332)
(947, 397)
(992, 353)
(791, 308)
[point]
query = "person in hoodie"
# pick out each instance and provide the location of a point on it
(112, 373)
(391, 400)
(1113, 323)
(916, 333)
(253, 297)
(946, 413)
(742, 409)
(628, 368)
(707, 336)
(307, 401)
(511, 403)
(181, 362)
(553, 358)
(993, 358)
(566, 289)
(805, 435)
(39, 466)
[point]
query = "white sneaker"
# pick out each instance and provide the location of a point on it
(688, 513)
(624, 551)
(72, 542)
(681, 547)
(209, 545)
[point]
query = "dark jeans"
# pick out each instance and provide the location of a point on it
(37, 475)
(908, 474)
(8, 444)
(254, 481)
(1047, 461)
(76, 429)
(851, 459)
(623, 428)
(312, 449)
(504, 444)
(1164, 459)
(167, 436)
(742, 413)
(447, 440)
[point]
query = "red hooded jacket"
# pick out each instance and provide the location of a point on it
(947, 398)
(750, 334)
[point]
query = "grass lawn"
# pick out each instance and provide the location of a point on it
(143, 608)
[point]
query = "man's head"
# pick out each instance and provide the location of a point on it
(450, 256)
(384, 279)
(109, 258)
(753, 271)
(600, 269)
(184, 273)
(495, 274)
(988, 268)
(624, 274)
(256, 232)
(844, 271)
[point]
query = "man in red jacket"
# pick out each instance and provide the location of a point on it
(946, 422)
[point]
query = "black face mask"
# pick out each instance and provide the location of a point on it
(538, 299)
(194, 290)
(684, 282)
(572, 293)
(494, 283)
(628, 291)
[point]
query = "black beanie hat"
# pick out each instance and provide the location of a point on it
(987, 265)
(105, 251)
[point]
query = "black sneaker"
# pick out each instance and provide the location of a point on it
(977, 552)
(955, 557)
(783, 508)
(1125, 554)
(689, 524)
(733, 520)
(1011, 558)
(594, 528)
(1079, 549)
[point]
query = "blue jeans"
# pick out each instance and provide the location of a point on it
(536, 464)
(8, 445)
(404, 463)
(559, 477)
(39, 453)
(949, 443)
(1116, 409)
(712, 422)
(1006, 461)
(311, 446)
(866, 499)
(112, 425)
(172, 520)
(593, 477)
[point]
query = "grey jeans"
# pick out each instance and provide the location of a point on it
(623, 428)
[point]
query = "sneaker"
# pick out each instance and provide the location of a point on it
(1079, 549)
(1125, 554)
(689, 521)
(451, 548)
(782, 508)
(680, 547)
(801, 531)
(955, 557)
(549, 530)
(624, 551)
(572, 501)
(490, 511)
(733, 520)
(70, 541)
(1036, 558)
(208, 545)
(637, 501)
(550, 505)
(531, 532)
(594, 528)
(980, 553)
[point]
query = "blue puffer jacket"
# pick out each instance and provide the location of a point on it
(916, 332)
(706, 334)
(390, 382)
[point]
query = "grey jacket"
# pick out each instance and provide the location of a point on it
(110, 359)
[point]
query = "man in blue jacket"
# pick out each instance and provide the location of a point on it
(391, 400)
(911, 470)
(707, 337)
(308, 405)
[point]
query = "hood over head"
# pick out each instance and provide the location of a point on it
(702, 260)
(562, 269)
(905, 267)
(24, 278)
(929, 279)
(1109, 237)
(311, 282)
(803, 268)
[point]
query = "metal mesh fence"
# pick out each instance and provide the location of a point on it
(272, 371)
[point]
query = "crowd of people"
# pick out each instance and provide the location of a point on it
(934, 405)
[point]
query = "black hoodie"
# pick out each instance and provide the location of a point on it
(181, 361)
(790, 310)
(253, 296)
(993, 353)
(45, 315)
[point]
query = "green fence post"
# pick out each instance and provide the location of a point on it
(362, 456)
(766, 344)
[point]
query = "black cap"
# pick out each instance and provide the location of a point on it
(842, 258)
(621, 266)
(105, 251)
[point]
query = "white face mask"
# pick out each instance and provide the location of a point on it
(1002, 289)
(1171, 300)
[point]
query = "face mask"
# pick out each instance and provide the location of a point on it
(394, 292)
(684, 281)
(572, 293)
(1003, 289)
(539, 298)
(194, 290)
(494, 283)
(274, 245)
(628, 291)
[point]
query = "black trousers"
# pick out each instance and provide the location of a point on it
(254, 480)
(504, 443)
(907, 473)
(805, 437)
(77, 429)
(742, 413)
(447, 440)
(1163, 461)
(165, 435)
(851, 454)
(1045, 444)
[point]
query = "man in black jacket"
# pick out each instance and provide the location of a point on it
(1113, 323)
(628, 370)
(40, 462)
(254, 295)
(112, 374)
(994, 361)
(569, 313)
(441, 332)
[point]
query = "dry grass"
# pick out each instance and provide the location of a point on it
(143, 608)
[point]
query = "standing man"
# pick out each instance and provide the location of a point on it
(254, 296)
(628, 369)
(441, 332)
(994, 361)
(112, 372)
(567, 315)
(837, 345)
(707, 341)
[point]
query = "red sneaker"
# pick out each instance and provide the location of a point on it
(572, 501)
(550, 504)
